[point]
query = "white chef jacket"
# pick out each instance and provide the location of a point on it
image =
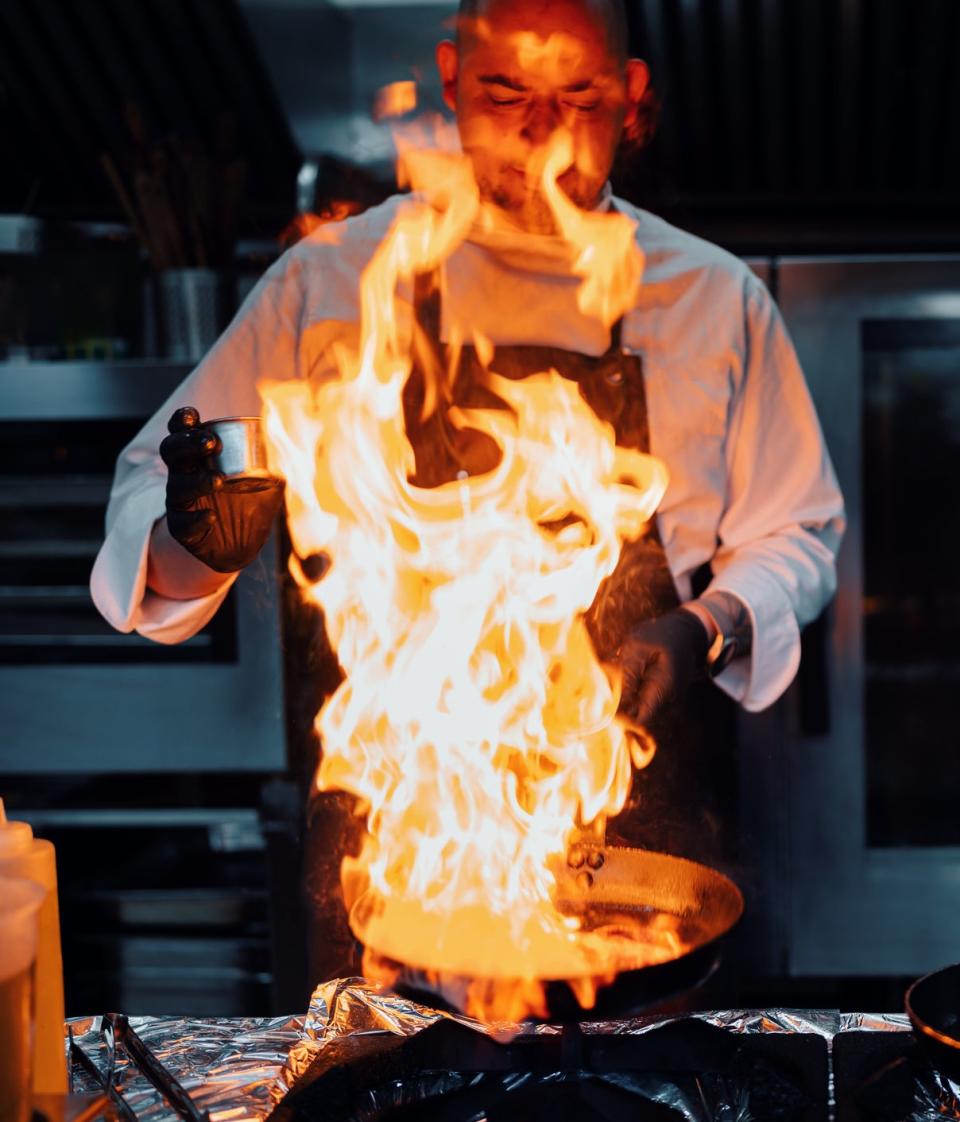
(752, 489)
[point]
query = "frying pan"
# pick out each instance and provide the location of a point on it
(933, 1006)
(628, 889)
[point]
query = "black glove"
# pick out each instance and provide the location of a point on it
(224, 526)
(660, 660)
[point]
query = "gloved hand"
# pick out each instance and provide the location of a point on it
(660, 659)
(223, 526)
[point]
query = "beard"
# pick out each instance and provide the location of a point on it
(527, 208)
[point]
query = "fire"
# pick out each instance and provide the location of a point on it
(475, 725)
(395, 99)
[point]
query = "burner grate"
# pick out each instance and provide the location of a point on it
(885, 1077)
(451, 1073)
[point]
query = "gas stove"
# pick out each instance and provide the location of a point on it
(369, 1055)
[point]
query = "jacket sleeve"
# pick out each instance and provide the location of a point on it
(262, 341)
(784, 519)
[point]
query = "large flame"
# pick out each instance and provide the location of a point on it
(475, 724)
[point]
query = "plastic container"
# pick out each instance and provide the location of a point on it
(24, 856)
(20, 905)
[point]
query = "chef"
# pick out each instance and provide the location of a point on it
(700, 372)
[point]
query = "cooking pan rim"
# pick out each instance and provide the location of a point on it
(718, 880)
(918, 1022)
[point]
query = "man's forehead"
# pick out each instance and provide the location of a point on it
(537, 35)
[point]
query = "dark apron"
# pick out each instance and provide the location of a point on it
(674, 802)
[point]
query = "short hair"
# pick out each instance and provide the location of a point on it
(612, 12)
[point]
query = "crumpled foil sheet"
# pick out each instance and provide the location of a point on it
(353, 1005)
(228, 1066)
(936, 1099)
(874, 1022)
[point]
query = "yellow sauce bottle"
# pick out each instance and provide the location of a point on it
(23, 855)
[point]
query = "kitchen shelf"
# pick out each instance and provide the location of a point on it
(141, 817)
(62, 491)
(61, 391)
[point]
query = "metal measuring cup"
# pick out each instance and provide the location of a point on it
(242, 459)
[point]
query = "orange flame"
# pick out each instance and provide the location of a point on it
(394, 99)
(475, 724)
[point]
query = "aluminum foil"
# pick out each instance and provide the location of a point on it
(354, 1005)
(936, 1099)
(228, 1066)
(351, 1005)
(874, 1022)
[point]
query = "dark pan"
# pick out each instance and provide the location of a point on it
(624, 887)
(933, 1006)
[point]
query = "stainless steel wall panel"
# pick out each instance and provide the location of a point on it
(856, 909)
(77, 697)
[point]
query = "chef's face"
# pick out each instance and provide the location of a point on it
(524, 69)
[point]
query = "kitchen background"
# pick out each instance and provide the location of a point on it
(818, 140)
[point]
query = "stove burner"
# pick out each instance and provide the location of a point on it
(451, 1073)
(885, 1077)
